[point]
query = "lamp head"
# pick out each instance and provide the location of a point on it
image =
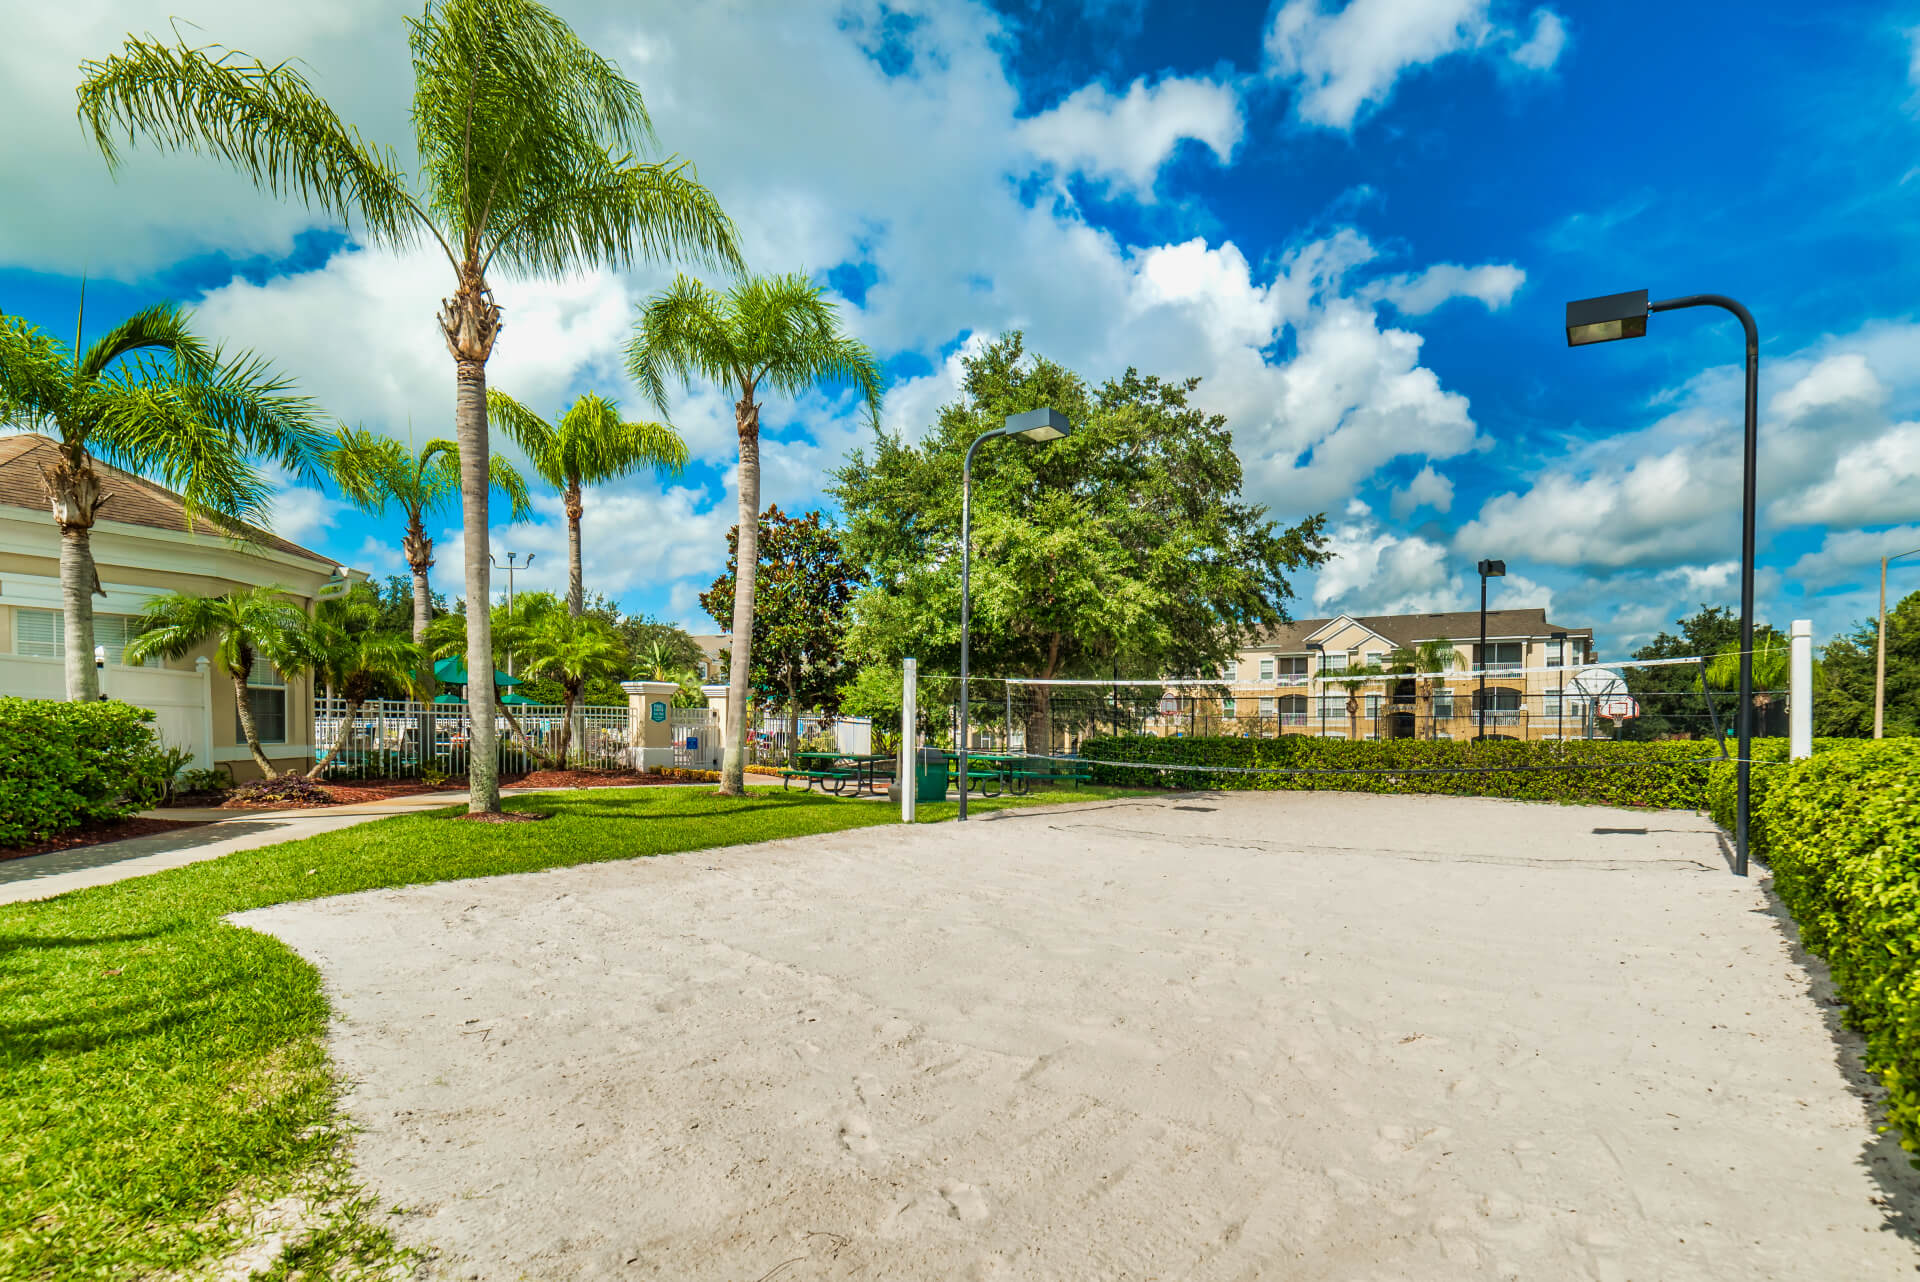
(1493, 569)
(1601, 320)
(1039, 425)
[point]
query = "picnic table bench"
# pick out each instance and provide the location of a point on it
(1045, 771)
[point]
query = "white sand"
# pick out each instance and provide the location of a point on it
(1296, 1036)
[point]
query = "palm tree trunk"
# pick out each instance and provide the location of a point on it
(733, 768)
(470, 321)
(73, 491)
(245, 709)
(418, 549)
(576, 590)
(339, 740)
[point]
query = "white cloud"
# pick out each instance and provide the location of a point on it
(1345, 61)
(1427, 489)
(1852, 558)
(1376, 571)
(1516, 591)
(1542, 48)
(1416, 294)
(1125, 139)
(1876, 480)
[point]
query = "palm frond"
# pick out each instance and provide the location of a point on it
(264, 120)
(160, 429)
(163, 327)
(797, 340)
(260, 409)
(530, 432)
(506, 478)
(683, 333)
(631, 211)
(370, 470)
(35, 384)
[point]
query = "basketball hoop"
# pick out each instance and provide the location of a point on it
(1616, 708)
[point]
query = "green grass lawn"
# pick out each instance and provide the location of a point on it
(162, 1067)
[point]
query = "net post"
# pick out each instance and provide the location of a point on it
(907, 760)
(1800, 689)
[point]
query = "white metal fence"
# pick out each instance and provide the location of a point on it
(384, 739)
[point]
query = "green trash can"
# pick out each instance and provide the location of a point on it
(929, 777)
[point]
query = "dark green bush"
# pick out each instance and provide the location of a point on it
(66, 765)
(1670, 774)
(1841, 833)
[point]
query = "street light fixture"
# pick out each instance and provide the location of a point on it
(1039, 426)
(1600, 320)
(1488, 570)
(1880, 650)
(511, 567)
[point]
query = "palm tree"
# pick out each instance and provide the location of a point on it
(571, 651)
(1772, 667)
(1428, 664)
(1353, 681)
(350, 656)
(526, 140)
(590, 445)
(150, 397)
(774, 332)
(245, 624)
(375, 472)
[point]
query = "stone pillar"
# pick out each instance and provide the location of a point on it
(650, 722)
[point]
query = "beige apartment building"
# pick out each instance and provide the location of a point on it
(1304, 678)
(143, 547)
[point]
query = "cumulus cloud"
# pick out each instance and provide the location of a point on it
(1849, 558)
(1346, 61)
(1377, 571)
(1427, 489)
(1416, 294)
(1124, 139)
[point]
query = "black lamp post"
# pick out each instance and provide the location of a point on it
(1601, 320)
(1035, 425)
(1488, 570)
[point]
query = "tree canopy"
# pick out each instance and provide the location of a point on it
(1128, 544)
(1845, 706)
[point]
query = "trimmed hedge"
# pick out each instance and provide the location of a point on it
(1841, 833)
(1670, 774)
(65, 765)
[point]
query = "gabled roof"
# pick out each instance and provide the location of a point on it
(1412, 629)
(134, 501)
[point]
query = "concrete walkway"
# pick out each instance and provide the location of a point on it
(58, 871)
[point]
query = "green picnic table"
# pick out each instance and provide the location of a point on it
(833, 771)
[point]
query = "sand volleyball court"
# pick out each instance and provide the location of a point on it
(1287, 1036)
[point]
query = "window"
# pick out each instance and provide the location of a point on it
(267, 698)
(1443, 705)
(1376, 658)
(1333, 661)
(1550, 701)
(42, 634)
(1266, 705)
(1293, 710)
(1333, 707)
(1232, 671)
(1266, 669)
(1226, 706)
(1556, 652)
(1373, 707)
(1293, 665)
(1502, 655)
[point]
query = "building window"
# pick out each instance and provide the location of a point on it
(1333, 707)
(1266, 705)
(1443, 705)
(1376, 658)
(1266, 669)
(1333, 661)
(1373, 707)
(1293, 710)
(1232, 670)
(1504, 656)
(1550, 702)
(1226, 706)
(1556, 652)
(42, 634)
(1293, 665)
(267, 698)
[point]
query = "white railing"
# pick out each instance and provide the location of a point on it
(181, 699)
(383, 741)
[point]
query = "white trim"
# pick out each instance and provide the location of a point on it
(27, 532)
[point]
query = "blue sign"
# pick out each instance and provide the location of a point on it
(693, 743)
(659, 711)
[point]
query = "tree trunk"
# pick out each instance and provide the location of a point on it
(746, 416)
(245, 710)
(793, 720)
(566, 728)
(73, 493)
(470, 321)
(339, 740)
(576, 589)
(418, 549)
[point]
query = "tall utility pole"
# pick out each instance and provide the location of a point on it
(511, 567)
(1880, 650)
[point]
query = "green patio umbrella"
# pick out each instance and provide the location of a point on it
(452, 671)
(516, 698)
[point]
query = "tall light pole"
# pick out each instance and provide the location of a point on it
(1880, 650)
(510, 569)
(1488, 570)
(1602, 320)
(1035, 425)
(1560, 702)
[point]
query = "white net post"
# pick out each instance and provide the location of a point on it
(1800, 689)
(907, 760)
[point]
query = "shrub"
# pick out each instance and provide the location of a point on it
(282, 790)
(1841, 833)
(1670, 774)
(65, 765)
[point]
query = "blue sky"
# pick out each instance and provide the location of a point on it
(1357, 223)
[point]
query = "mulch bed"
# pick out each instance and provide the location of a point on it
(104, 833)
(361, 792)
